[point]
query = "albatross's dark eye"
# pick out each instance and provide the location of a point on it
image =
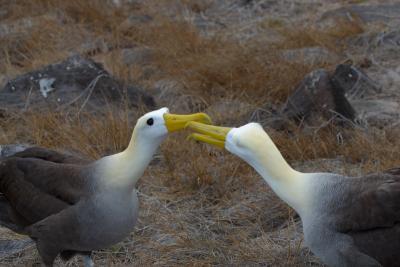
(150, 121)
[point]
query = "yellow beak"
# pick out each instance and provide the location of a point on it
(210, 134)
(175, 122)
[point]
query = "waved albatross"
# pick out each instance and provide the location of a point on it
(347, 221)
(70, 206)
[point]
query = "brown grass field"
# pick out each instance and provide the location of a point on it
(199, 206)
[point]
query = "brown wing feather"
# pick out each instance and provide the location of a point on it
(36, 185)
(383, 244)
(50, 155)
(36, 188)
(29, 202)
(58, 233)
(372, 202)
(7, 218)
(368, 209)
(64, 181)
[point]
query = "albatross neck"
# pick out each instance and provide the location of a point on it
(287, 183)
(125, 168)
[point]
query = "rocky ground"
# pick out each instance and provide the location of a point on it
(322, 77)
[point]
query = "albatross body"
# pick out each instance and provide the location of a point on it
(347, 221)
(69, 205)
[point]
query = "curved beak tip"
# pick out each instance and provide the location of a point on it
(210, 134)
(188, 125)
(190, 137)
(176, 122)
(207, 119)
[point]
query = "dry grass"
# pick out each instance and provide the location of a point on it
(214, 209)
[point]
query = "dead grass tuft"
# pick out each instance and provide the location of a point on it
(85, 133)
(331, 38)
(368, 147)
(220, 67)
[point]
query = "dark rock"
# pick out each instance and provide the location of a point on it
(355, 83)
(340, 95)
(8, 150)
(383, 13)
(76, 82)
(316, 93)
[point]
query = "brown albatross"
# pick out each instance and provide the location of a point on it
(68, 205)
(347, 221)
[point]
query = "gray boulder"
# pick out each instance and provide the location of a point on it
(76, 82)
(11, 149)
(347, 93)
(354, 82)
(317, 93)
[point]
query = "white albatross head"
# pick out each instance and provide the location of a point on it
(248, 142)
(155, 125)
(152, 126)
(252, 144)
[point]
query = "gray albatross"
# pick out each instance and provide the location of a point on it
(347, 221)
(70, 206)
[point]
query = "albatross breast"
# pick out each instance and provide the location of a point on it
(94, 220)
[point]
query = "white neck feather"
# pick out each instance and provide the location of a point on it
(289, 184)
(124, 169)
